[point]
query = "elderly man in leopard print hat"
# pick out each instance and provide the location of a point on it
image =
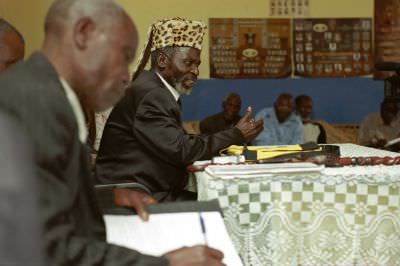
(143, 140)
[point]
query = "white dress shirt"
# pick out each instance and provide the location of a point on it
(77, 109)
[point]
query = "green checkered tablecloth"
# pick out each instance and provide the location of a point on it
(346, 216)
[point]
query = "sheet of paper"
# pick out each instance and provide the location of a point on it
(169, 231)
(393, 141)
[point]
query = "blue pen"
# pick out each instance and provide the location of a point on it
(203, 229)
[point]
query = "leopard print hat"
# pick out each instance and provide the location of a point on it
(170, 32)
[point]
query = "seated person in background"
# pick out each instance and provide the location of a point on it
(143, 140)
(378, 128)
(12, 45)
(312, 130)
(224, 120)
(281, 125)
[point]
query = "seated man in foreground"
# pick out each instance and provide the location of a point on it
(143, 140)
(224, 120)
(281, 124)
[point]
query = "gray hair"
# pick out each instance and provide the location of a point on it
(63, 12)
(168, 51)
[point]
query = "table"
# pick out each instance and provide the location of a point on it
(340, 216)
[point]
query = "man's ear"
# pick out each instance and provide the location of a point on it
(162, 61)
(83, 32)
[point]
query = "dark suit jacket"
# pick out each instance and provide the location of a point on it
(322, 133)
(144, 141)
(74, 228)
(216, 123)
(21, 239)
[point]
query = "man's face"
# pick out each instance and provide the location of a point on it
(182, 69)
(388, 112)
(12, 49)
(304, 109)
(107, 64)
(232, 107)
(283, 108)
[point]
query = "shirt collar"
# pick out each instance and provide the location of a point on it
(169, 87)
(77, 109)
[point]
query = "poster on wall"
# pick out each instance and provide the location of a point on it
(249, 48)
(387, 34)
(337, 47)
(293, 8)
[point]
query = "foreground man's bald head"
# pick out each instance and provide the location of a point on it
(12, 45)
(91, 44)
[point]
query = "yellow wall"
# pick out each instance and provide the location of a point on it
(22, 14)
(28, 15)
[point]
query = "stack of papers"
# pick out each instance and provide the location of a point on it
(255, 170)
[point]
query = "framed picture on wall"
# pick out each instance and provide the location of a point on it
(332, 47)
(250, 48)
(291, 8)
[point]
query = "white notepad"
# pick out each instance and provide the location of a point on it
(169, 231)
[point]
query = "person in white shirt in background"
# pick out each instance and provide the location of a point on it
(313, 131)
(378, 128)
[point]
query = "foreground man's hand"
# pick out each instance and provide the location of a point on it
(134, 198)
(195, 256)
(250, 128)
